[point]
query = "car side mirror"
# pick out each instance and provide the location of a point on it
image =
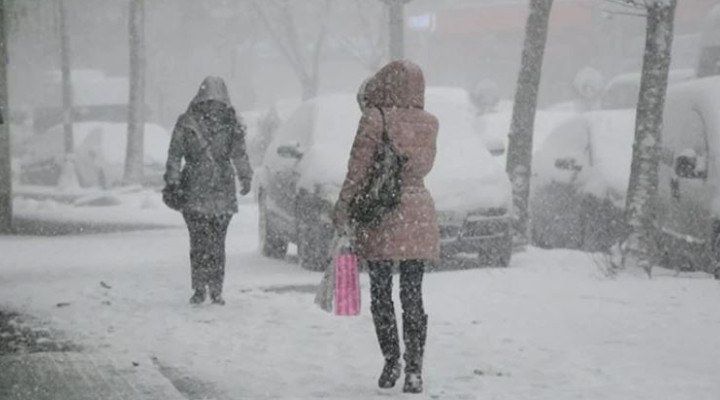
(290, 152)
(568, 164)
(686, 166)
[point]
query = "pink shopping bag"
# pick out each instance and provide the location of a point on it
(347, 285)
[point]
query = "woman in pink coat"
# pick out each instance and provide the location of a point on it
(408, 236)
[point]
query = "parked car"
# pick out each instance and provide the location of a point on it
(581, 172)
(623, 91)
(580, 178)
(709, 60)
(99, 155)
(305, 165)
(494, 128)
(688, 218)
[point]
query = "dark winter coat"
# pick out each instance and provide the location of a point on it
(210, 138)
(410, 232)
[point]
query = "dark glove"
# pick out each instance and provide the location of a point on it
(174, 197)
(245, 186)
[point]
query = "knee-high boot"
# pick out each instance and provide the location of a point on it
(414, 335)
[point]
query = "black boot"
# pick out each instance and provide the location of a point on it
(198, 297)
(414, 334)
(216, 297)
(390, 374)
(387, 334)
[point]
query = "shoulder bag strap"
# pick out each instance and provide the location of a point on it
(385, 133)
(204, 143)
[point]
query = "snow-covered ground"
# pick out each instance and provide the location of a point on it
(551, 326)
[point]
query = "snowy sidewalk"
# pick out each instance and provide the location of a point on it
(81, 376)
(549, 327)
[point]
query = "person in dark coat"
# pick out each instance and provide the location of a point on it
(210, 138)
(408, 236)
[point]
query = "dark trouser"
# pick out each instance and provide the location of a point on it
(383, 311)
(207, 250)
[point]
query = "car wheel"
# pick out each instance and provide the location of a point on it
(272, 243)
(314, 241)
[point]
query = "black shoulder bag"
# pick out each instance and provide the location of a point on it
(382, 190)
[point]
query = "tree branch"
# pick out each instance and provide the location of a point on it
(296, 64)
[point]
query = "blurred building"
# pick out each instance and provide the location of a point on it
(469, 41)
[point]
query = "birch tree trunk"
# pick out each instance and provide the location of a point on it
(519, 157)
(639, 247)
(67, 93)
(134, 159)
(5, 166)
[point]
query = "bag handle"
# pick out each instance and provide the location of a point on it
(385, 133)
(386, 136)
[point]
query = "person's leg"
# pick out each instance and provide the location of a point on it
(217, 273)
(199, 230)
(414, 322)
(383, 312)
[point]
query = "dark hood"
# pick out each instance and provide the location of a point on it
(212, 88)
(399, 84)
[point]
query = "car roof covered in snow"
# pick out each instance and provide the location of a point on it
(465, 176)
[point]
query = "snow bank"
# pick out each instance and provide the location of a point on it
(121, 206)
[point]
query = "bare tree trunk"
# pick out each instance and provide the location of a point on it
(519, 158)
(5, 166)
(136, 106)
(397, 28)
(67, 93)
(642, 188)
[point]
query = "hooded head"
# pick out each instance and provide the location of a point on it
(399, 84)
(362, 95)
(212, 88)
(211, 105)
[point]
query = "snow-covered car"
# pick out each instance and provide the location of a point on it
(494, 128)
(622, 92)
(305, 165)
(581, 171)
(709, 59)
(688, 217)
(580, 177)
(99, 155)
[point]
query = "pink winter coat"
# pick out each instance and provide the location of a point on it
(410, 232)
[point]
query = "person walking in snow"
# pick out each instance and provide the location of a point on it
(408, 236)
(210, 138)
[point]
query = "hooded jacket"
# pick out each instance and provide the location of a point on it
(210, 139)
(410, 232)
